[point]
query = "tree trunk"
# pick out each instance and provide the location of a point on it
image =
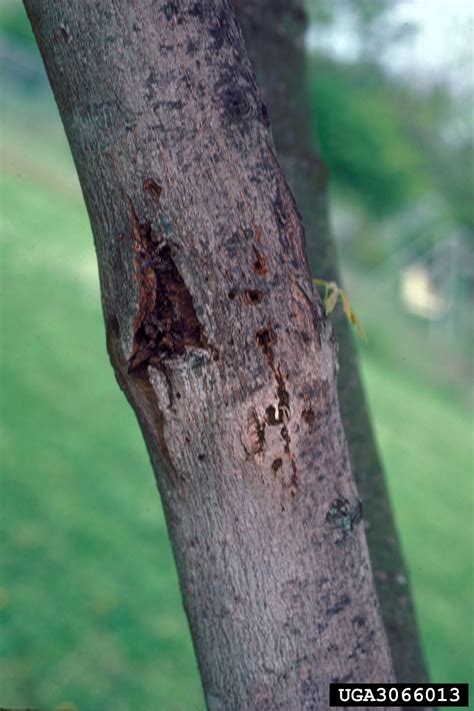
(220, 345)
(274, 34)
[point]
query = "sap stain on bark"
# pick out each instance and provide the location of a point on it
(285, 435)
(253, 296)
(256, 431)
(277, 464)
(282, 393)
(259, 266)
(153, 189)
(308, 416)
(266, 338)
(165, 325)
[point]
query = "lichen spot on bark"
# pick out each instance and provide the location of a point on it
(343, 517)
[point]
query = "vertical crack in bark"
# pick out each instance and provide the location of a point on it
(266, 338)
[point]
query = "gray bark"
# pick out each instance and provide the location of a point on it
(220, 345)
(274, 33)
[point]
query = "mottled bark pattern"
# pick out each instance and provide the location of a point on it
(220, 345)
(274, 35)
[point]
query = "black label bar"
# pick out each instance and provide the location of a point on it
(438, 695)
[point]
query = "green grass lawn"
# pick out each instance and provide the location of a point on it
(90, 607)
(426, 442)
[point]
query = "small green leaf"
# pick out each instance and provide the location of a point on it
(331, 300)
(351, 314)
(332, 292)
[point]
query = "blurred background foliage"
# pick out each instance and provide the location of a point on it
(90, 609)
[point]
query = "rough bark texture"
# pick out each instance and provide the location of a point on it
(274, 33)
(220, 345)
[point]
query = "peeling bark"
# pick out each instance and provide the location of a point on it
(220, 344)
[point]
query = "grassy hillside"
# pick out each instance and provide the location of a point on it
(427, 446)
(90, 608)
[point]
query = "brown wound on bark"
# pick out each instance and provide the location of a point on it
(256, 432)
(308, 416)
(153, 189)
(253, 296)
(277, 464)
(259, 265)
(166, 324)
(266, 338)
(282, 392)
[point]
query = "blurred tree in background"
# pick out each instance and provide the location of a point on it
(386, 139)
(399, 148)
